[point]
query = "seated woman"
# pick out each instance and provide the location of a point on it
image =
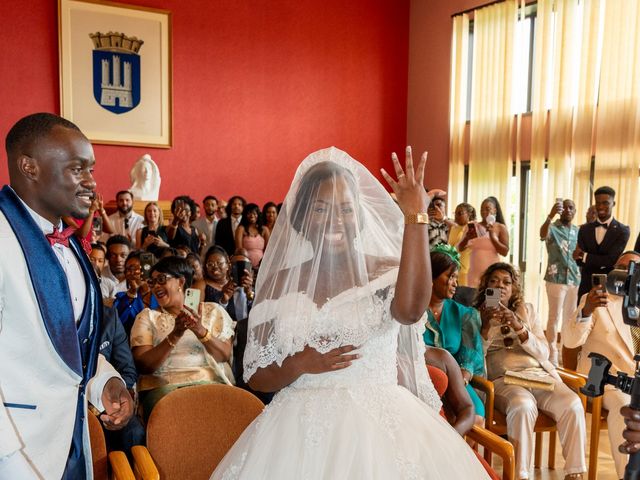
(457, 407)
(138, 295)
(179, 231)
(514, 341)
(153, 235)
(218, 286)
(174, 346)
(270, 214)
(453, 326)
(252, 235)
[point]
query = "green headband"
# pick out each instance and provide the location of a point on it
(449, 251)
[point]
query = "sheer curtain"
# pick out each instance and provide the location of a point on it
(555, 93)
(618, 128)
(491, 124)
(458, 108)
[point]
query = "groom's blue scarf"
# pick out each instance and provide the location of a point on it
(77, 346)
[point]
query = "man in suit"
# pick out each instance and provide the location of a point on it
(226, 229)
(597, 326)
(50, 308)
(601, 242)
(207, 224)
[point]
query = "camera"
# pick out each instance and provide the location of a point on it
(626, 283)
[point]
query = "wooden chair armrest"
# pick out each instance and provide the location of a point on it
(143, 465)
(482, 384)
(575, 382)
(120, 468)
(485, 386)
(497, 445)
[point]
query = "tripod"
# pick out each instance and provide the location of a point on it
(599, 376)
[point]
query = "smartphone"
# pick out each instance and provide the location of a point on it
(97, 225)
(192, 298)
(492, 297)
(560, 202)
(237, 270)
(146, 262)
(473, 233)
(599, 281)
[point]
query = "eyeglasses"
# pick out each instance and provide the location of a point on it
(219, 264)
(160, 279)
(126, 223)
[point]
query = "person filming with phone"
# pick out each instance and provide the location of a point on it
(183, 342)
(138, 295)
(487, 240)
(562, 276)
(524, 379)
(597, 326)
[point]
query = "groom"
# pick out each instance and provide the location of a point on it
(50, 308)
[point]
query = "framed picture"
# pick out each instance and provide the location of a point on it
(115, 71)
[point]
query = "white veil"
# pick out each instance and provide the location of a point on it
(338, 238)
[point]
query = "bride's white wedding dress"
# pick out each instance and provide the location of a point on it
(354, 423)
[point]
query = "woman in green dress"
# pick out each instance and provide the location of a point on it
(451, 325)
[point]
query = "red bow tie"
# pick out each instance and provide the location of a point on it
(60, 237)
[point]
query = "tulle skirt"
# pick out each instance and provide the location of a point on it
(363, 432)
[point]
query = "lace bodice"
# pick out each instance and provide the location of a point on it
(376, 365)
(360, 316)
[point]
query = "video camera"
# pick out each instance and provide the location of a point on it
(627, 283)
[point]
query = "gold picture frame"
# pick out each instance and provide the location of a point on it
(115, 72)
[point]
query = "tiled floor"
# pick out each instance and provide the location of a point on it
(606, 469)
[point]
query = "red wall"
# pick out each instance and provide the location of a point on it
(257, 85)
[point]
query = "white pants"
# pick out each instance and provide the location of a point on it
(613, 400)
(563, 301)
(521, 405)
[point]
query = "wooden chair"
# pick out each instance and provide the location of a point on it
(483, 437)
(191, 429)
(496, 421)
(116, 461)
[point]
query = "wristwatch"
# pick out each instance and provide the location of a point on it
(413, 218)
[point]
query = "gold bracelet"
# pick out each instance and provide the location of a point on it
(206, 338)
(171, 344)
(416, 218)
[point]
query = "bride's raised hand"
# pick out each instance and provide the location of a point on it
(409, 186)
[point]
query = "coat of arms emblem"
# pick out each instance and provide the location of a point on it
(116, 71)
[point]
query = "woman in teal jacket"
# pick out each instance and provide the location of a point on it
(451, 325)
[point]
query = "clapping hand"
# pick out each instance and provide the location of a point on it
(408, 188)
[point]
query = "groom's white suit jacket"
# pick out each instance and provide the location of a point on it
(38, 391)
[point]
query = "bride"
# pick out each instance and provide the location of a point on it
(336, 328)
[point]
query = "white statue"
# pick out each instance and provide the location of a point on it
(145, 179)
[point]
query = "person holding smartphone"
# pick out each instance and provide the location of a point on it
(514, 341)
(138, 295)
(562, 276)
(597, 326)
(487, 240)
(175, 346)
